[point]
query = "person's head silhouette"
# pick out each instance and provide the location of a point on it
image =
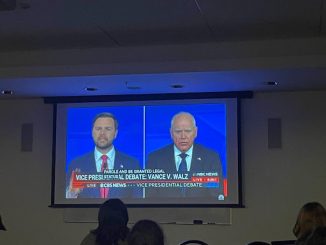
(146, 232)
(112, 222)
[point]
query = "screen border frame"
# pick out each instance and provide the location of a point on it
(150, 97)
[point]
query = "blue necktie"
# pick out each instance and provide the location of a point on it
(183, 169)
(183, 163)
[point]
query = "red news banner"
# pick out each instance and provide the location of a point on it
(144, 178)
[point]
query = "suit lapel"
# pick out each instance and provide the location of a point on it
(118, 161)
(196, 160)
(91, 159)
(171, 159)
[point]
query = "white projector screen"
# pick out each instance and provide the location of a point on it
(144, 168)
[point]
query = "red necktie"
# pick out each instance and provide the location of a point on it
(104, 192)
(104, 162)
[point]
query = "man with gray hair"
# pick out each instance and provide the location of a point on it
(186, 157)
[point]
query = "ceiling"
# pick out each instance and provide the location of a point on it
(41, 26)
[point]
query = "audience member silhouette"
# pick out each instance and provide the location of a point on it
(146, 232)
(311, 216)
(112, 225)
(317, 237)
(2, 227)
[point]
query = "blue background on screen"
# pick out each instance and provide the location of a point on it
(210, 120)
(130, 131)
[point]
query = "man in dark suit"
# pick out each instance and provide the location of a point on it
(186, 157)
(104, 157)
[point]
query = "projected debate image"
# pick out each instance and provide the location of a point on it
(147, 154)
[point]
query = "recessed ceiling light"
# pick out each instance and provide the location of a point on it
(7, 92)
(90, 89)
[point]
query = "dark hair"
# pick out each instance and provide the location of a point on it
(317, 237)
(112, 222)
(108, 115)
(310, 216)
(146, 232)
